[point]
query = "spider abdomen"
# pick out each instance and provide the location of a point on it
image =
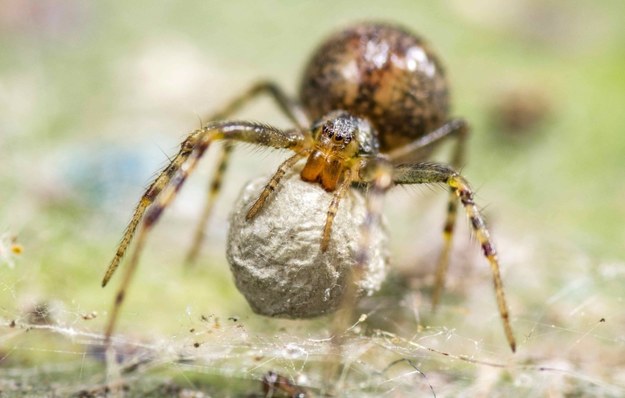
(380, 72)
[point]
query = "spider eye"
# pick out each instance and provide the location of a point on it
(327, 131)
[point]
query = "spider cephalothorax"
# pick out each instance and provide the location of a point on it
(340, 139)
(380, 98)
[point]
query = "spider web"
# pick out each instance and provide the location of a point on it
(570, 343)
(565, 305)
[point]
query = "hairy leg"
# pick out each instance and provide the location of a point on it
(289, 107)
(334, 206)
(165, 187)
(412, 151)
(456, 128)
(213, 191)
(273, 184)
(432, 173)
(461, 131)
(377, 173)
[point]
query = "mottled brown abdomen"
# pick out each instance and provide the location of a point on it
(380, 72)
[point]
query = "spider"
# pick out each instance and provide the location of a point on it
(373, 105)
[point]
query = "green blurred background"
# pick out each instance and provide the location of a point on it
(95, 96)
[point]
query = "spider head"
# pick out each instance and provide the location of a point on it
(340, 139)
(343, 135)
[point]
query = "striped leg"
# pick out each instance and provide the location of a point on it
(457, 160)
(377, 174)
(151, 217)
(334, 206)
(165, 187)
(289, 107)
(412, 151)
(146, 200)
(272, 185)
(432, 173)
(213, 192)
(454, 128)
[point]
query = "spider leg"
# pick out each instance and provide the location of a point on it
(289, 107)
(412, 150)
(377, 173)
(213, 192)
(165, 187)
(151, 217)
(432, 173)
(339, 193)
(454, 128)
(146, 200)
(450, 220)
(272, 184)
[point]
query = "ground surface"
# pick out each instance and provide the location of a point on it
(94, 97)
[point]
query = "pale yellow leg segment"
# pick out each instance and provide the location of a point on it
(455, 128)
(334, 206)
(430, 173)
(460, 130)
(165, 187)
(215, 187)
(272, 185)
(378, 175)
(146, 200)
(463, 191)
(289, 107)
(151, 217)
(443, 260)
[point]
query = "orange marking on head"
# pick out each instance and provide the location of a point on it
(314, 167)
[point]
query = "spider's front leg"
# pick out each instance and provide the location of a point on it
(166, 186)
(433, 173)
(378, 174)
(287, 105)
